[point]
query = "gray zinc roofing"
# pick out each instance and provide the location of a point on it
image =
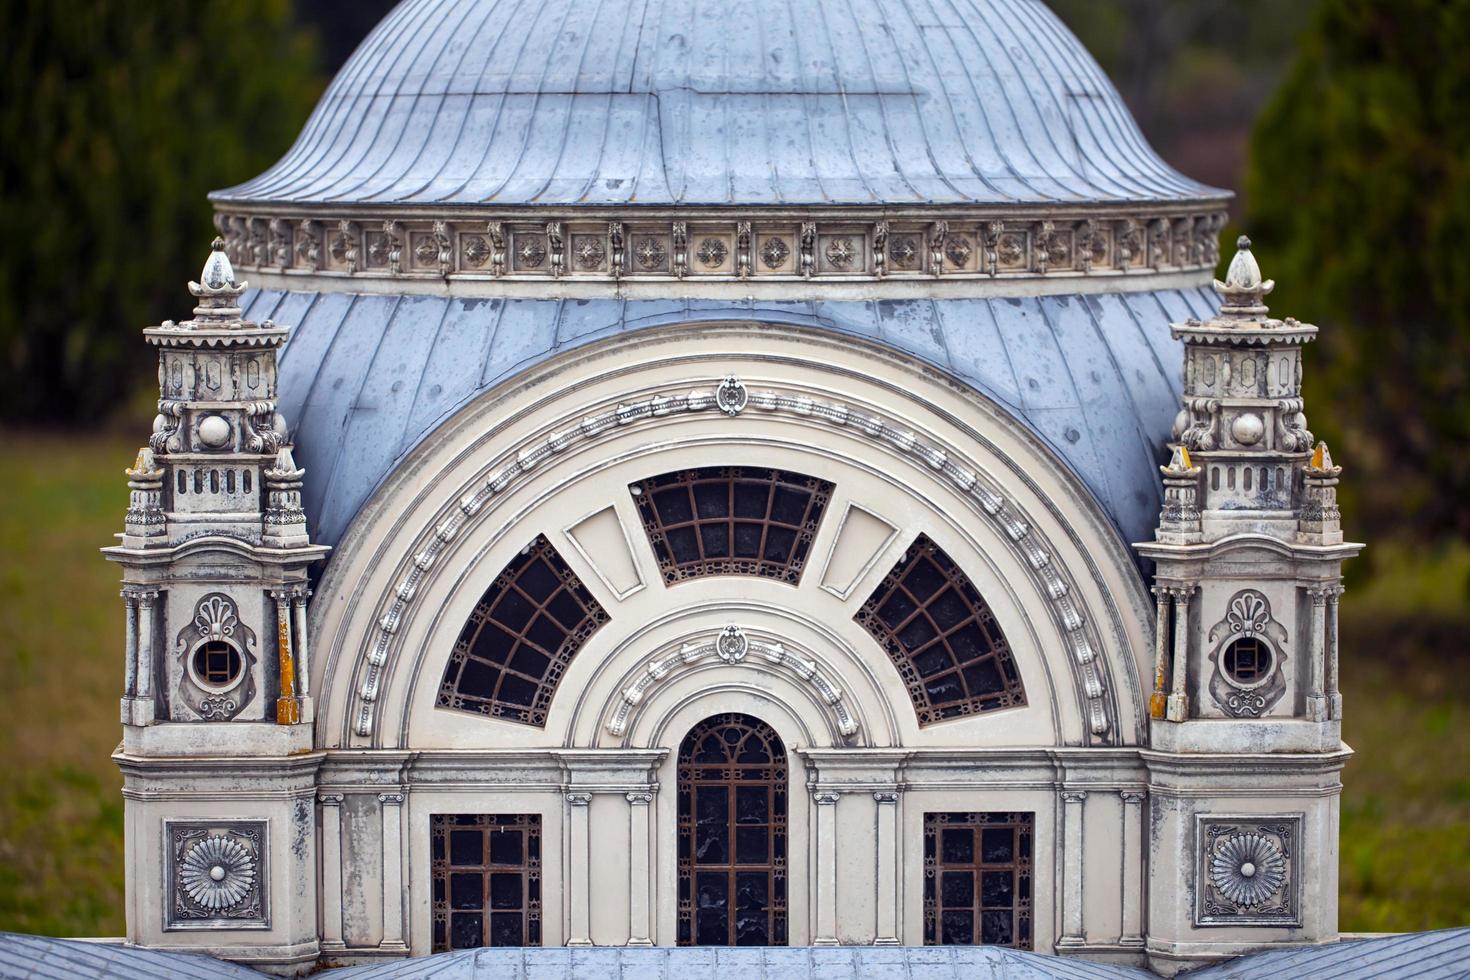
(365, 378)
(1424, 956)
(749, 102)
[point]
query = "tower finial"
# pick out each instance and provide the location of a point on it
(216, 289)
(1243, 289)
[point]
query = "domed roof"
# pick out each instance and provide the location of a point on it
(754, 102)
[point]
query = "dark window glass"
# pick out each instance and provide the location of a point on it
(732, 834)
(487, 880)
(942, 636)
(1247, 660)
(520, 638)
(218, 663)
(977, 879)
(731, 520)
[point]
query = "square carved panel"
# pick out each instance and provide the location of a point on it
(1248, 870)
(215, 874)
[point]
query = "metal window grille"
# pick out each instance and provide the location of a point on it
(517, 643)
(731, 520)
(977, 879)
(487, 880)
(942, 636)
(732, 834)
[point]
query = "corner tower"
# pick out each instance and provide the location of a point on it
(216, 703)
(1249, 556)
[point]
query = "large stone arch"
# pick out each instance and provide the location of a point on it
(559, 444)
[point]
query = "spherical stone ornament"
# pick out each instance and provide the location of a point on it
(1248, 869)
(214, 431)
(217, 873)
(1248, 429)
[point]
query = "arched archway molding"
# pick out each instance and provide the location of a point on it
(1096, 685)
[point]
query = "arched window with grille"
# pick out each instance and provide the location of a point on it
(517, 643)
(731, 520)
(941, 635)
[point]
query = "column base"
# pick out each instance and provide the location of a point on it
(639, 942)
(1067, 942)
(137, 711)
(1316, 707)
(1335, 701)
(393, 946)
(579, 943)
(1178, 707)
(825, 942)
(887, 942)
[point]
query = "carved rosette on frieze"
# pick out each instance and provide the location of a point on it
(1248, 871)
(216, 875)
(399, 245)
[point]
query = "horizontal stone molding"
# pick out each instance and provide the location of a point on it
(827, 245)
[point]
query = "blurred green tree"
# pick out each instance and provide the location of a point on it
(1359, 202)
(118, 119)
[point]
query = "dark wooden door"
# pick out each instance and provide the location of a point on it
(732, 834)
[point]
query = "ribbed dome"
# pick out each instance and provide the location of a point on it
(753, 102)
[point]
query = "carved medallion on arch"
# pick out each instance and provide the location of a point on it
(732, 646)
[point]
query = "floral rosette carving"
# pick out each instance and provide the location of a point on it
(218, 875)
(1248, 869)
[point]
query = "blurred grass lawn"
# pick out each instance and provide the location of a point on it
(1406, 681)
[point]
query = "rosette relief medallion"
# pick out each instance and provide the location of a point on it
(216, 875)
(1249, 868)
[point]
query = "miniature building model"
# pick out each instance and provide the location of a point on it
(788, 480)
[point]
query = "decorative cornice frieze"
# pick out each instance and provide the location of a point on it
(1049, 576)
(732, 646)
(675, 244)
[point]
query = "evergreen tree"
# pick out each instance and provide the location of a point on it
(118, 119)
(1359, 203)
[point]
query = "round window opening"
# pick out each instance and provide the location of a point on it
(1248, 661)
(217, 664)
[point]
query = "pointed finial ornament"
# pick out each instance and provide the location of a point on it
(216, 289)
(1243, 290)
(1180, 464)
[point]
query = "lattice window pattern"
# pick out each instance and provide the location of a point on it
(942, 636)
(732, 834)
(977, 879)
(731, 520)
(517, 643)
(487, 880)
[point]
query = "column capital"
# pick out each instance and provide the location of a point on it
(1133, 795)
(886, 796)
(826, 798)
(1074, 795)
(639, 798)
(390, 799)
(331, 799)
(579, 799)
(140, 593)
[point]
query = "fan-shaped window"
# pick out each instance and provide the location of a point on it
(731, 520)
(517, 643)
(942, 637)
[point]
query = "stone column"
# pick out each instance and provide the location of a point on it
(1178, 709)
(1073, 931)
(1159, 699)
(288, 707)
(331, 871)
(579, 870)
(303, 661)
(1317, 655)
(147, 602)
(392, 806)
(1132, 934)
(130, 657)
(640, 925)
(886, 931)
(825, 919)
(1334, 696)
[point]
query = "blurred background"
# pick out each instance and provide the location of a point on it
(1343, 126)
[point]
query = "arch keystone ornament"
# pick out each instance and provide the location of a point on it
(734, 647)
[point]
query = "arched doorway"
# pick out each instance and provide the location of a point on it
(732, 834)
